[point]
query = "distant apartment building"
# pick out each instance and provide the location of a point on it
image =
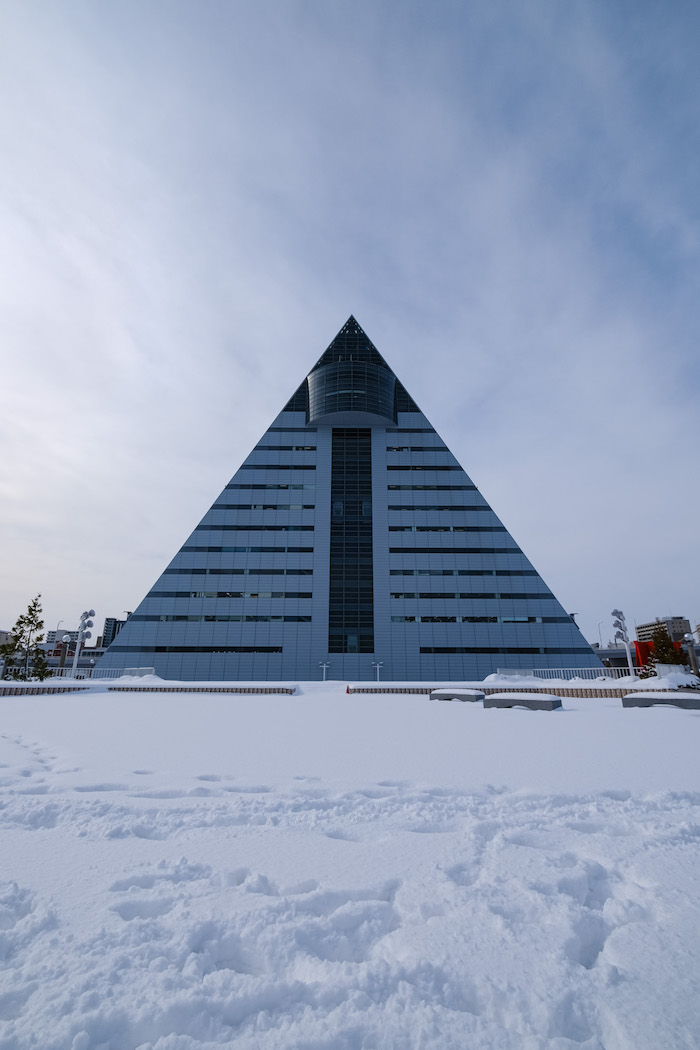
(676, 628)
(111, 629)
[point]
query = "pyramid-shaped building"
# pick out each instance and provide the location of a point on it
(350, 537)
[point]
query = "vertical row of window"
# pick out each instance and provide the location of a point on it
(351, 610)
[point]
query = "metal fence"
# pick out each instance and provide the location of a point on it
(567, 673)
(101, 672)
(586, 673)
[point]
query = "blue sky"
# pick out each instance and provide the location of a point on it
(194, 197)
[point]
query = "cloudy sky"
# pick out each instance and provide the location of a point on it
(195, 195)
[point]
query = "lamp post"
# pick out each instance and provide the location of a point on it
(65, 641)
(600, 639)
(621, 633)
(377, 664)
(55, 637)
(83, 632)
(324, 665)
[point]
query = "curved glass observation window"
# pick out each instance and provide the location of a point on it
(344, 391)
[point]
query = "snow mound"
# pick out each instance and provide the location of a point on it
(675, 680)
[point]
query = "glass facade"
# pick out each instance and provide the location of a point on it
(351, 387)
(354, 537)
(351, 607)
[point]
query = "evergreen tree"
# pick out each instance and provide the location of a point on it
(23, 657)
(665, 651)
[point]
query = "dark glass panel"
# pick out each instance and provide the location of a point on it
(351, 595)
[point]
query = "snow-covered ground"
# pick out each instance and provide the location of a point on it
(344, 872)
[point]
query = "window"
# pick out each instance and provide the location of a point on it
(432, 488)
(196, 648)
(246, 550)
(260, 571)
(418, 466)
(258, 488)
(285, 448)
(277, 466)
(454, 550)
(252, 527)
(264, 506)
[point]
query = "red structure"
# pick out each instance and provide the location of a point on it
(644, 650)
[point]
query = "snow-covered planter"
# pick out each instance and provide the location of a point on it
(664, 670)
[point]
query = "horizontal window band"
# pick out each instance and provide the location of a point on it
(447, 528)
(432, 488)
(462, 572)
(419, 466)
(254, 528)
(478, 596)
(461, 551)
(196, 549)
(291, 430)
(418, 448)
(480, 619)
(264, 506)
(452, 508)
(285, 448)
(231, 571)
(278, 466)
(167, 618)
(478, 649)
(427, 619)
(229, 594)
(195, 648)
(279, 486)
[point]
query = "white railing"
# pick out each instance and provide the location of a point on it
(101, 672)
(118, 672)
(588, 673)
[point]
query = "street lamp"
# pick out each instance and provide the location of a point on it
(377, 664)
(621, 633)
(65, 641)
(85, 622)
(324, 665)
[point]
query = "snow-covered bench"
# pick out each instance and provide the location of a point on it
(674, 697)
(456, 694)
(535, 701)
